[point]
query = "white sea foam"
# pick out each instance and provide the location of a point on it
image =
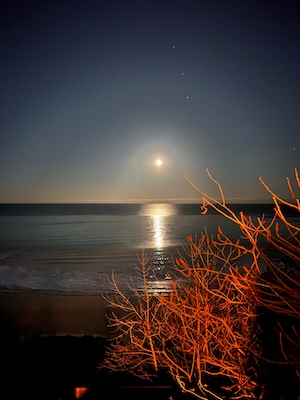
(88, 282)
(18, 278)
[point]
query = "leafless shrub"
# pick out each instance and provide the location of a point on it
(204, 332)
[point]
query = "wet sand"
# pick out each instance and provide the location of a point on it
(32, 313)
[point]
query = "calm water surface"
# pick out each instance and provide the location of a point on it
(75, 247)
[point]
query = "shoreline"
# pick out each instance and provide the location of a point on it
(28, 313)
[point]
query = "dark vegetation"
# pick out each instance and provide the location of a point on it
(51, 368)
(60, 367)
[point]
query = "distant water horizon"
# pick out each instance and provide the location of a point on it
(75, 247)
(191, 208)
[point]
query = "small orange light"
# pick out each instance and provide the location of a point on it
(80, 392)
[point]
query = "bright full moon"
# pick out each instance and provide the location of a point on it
(158, 162)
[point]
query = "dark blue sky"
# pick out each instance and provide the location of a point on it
(93, 92)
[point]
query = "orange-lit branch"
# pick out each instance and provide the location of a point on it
(202, 330)
(272, 281)
(205, 328)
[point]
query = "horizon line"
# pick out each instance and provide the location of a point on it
(144, 201)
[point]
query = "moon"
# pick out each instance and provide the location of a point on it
(158, 162)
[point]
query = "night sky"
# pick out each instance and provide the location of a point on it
(92, 93)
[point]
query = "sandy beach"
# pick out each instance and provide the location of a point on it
(35, 313)
(51, 346)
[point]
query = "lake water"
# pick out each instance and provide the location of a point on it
(75, 247)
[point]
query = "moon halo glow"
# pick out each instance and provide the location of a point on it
(158, 162)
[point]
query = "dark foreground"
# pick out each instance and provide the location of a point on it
(51, 348)
(67, 367)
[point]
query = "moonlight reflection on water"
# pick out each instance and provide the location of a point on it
(158, 216)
